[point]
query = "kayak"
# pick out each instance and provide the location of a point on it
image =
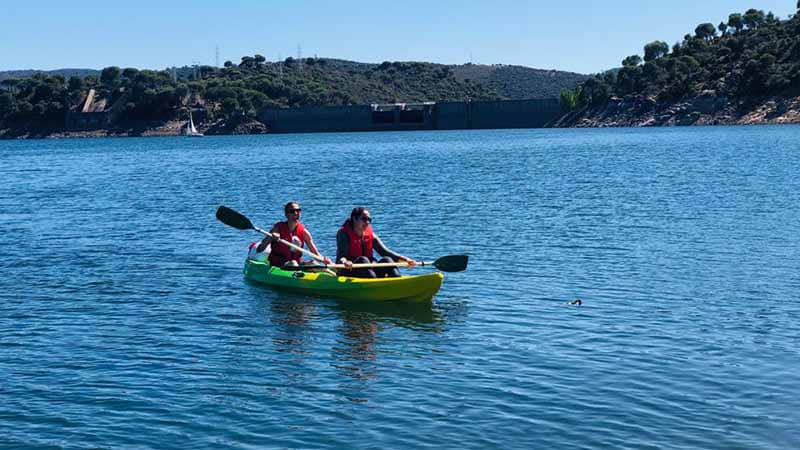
(417, 288)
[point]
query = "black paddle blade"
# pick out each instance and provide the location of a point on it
(452, 263)
(234, 219)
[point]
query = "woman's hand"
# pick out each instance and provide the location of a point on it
(347, 264)
(326, 260)
(410, 262)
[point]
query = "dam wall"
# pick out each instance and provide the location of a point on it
(534, 113)
(316, 119)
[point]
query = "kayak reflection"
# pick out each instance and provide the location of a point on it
(294, 318)
(296, 323)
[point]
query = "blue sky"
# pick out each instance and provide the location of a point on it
(578, 36)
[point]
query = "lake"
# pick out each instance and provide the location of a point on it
(125, 320)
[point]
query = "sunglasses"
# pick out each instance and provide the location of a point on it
(366, 219)
(297, 210)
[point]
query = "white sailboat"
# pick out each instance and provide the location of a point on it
(190, 130)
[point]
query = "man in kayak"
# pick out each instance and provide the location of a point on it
(355, 242)
(292, 230)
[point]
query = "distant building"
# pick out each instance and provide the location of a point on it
(93, 113)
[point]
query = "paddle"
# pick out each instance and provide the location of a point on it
(451, 263)
(237, 220)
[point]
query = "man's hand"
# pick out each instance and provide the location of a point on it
(263, 244)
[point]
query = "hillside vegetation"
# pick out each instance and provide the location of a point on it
(40, 102)
(519, 82)
(66, 73)
(733, 66)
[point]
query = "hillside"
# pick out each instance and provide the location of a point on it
(147, 99)
(744, 70)
(66, 73)
(519, 82)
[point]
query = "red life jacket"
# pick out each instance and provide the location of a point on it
(281, 253)
(359, 246)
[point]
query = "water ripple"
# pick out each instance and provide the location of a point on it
(126, 321)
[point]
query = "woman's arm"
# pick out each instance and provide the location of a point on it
(383, 250)
(342, 247)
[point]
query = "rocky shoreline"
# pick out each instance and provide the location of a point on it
(169, 128)
(707, 108)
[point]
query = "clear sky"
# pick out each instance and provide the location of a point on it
(580, 36)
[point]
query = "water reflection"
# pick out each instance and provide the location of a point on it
(411, 315)
(355, 352)
(355, 348)
(295, 321)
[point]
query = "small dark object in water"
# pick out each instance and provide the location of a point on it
(576, 302)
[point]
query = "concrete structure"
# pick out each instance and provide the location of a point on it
(421, 116)
(349, 118)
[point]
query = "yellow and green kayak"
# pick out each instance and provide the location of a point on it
(418, 288)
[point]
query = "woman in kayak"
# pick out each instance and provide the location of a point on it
(355, 242)
(292, 230)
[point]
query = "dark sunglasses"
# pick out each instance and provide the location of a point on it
(366, 219)
(297, 210)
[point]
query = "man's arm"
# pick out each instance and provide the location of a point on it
(311, 246)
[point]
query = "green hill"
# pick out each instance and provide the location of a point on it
(66, 73)
(718, 74)
(519, 82)
(38, 101)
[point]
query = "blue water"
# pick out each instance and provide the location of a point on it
(125, 321)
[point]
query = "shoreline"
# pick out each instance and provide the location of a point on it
(616, 114)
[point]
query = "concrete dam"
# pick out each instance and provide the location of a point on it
(467, 115)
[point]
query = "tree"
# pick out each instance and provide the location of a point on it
(594, 92)
(723, 28)
(655, 49)
(627, 79)
(229, 105)
(259, 59)
(569, 99)
(705, 31)
(247, 61)
(24, 107)
(10, 84)
(735, 21)
(109, 75)
(753, 18)
(75, 84)
(654, 74)
(7, 105)
(633, 60)
(129, 73)
(228, 64)
(181, 91)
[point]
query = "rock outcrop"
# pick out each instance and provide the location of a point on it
(706, 108)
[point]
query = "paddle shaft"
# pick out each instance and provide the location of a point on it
(370, 265)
